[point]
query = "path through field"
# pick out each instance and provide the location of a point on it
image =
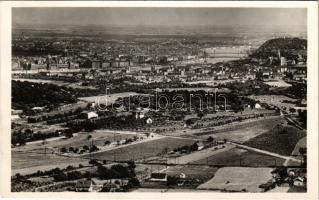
(266, 152)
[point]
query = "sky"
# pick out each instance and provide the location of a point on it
(162, 16)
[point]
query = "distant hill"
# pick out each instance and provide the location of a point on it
(285, 45)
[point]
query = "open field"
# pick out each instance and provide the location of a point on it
(35, 156)
(276, 100)
(244, 131)
(142, 150)
(277, 83)
(202, 173)
(241, 157)
(29, 162)
(281, 143)
(109, 98)
(238, 128)
(302, 143)
(238, 179)
(198, 155)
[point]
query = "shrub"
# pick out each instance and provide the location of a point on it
(74, 175)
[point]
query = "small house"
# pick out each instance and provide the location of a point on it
(140, 113)
(199, 146)
(83, 186)
(149, 121)
(219, 142)
(299, 181)
(89, 114)
(158, 177)
(257, 106)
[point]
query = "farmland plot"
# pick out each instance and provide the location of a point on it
(238, 179)
(278, 142)
(142, 150)
(241, 157)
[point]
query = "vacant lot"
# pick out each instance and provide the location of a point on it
(238, 179)
(277, 141)
(241, 157)
(142, 150)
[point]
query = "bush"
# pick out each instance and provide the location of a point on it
(74, 175)
(70, 167)
(60, 176)
(69, 134)
(94, 148)
(107, 142)
(63, 150)
(71, 149)
(172, 180)
(86, 147)
(134, 182)
(93, 162)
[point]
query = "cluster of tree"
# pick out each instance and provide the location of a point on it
(36, 51)
(20, 183)
(303, 118)
(71, 79)
(115, 171)
(296, 90)
(26, 95)
(285, 45)
(62, 119)
(130, 140)
(174, 101)
(85, 148)
(22, 136)
(227, 120)
(282, 175)
(247, 88)
(50, 172)
(187, 148)
(57, 117)
(122, 84)
(112, 122)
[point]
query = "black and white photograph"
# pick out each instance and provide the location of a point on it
(159, 99)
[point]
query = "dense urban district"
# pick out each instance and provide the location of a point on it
(127, 112)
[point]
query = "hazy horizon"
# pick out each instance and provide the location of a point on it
(279, 18)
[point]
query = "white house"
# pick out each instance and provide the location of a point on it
(89, 115)
(158, 177)
(149, 121)
(200, 146)
(299, 181)
(83, 186)
(257, 106)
